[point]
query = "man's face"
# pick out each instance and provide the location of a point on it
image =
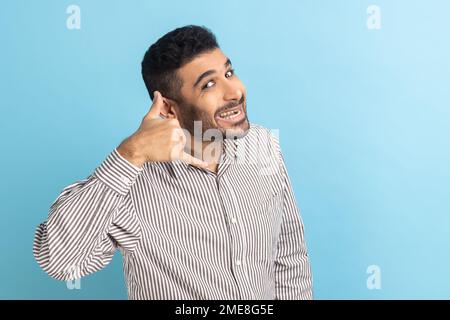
(212, 94)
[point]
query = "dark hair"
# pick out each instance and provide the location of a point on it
(170, 52)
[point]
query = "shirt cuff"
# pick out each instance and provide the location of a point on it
(117, 173)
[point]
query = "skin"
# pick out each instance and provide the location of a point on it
(166, 132)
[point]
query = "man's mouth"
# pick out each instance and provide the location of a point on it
(231, 115)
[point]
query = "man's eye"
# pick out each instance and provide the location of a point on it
(229, 73)
(209, 84)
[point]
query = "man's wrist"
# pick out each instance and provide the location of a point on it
(130, 153)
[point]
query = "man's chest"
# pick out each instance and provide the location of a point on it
(210, 211)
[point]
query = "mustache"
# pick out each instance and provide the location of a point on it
(230, 105)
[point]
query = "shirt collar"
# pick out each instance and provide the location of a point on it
(229, 153)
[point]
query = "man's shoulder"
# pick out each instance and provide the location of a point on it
(262, 142)
(262, 147)
(255, 127)
(262, 135)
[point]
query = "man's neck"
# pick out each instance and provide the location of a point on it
(209, 151)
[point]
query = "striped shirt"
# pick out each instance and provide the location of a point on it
(185, 232)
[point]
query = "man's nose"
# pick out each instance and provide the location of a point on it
(233, 92)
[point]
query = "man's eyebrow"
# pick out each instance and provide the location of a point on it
(209, 72)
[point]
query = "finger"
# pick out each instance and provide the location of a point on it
(178, 136)
(156, 107)
(186, 157)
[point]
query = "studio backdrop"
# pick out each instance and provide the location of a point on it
(359, 91)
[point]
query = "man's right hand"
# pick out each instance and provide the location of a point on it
(157, 140)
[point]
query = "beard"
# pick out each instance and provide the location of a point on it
(192, 117)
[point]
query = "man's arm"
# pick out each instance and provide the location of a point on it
(293, 277)
(91, 217)
(87, 222)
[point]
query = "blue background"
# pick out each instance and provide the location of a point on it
(363, 118)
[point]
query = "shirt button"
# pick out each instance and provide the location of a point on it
(238, 262)
(233, 220)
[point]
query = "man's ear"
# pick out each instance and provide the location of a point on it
(168, 109)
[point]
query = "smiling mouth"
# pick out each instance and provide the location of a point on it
(232, 113)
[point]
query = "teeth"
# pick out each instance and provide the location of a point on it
(230, 114)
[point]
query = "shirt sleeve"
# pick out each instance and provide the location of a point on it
(293, 278)
(88, 221)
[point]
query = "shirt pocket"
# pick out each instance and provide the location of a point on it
(270, 204)
(273, 208)
(268, 217)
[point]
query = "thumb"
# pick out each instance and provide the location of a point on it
(186, 157)
(156, 107)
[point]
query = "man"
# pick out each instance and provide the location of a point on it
(197, 200)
